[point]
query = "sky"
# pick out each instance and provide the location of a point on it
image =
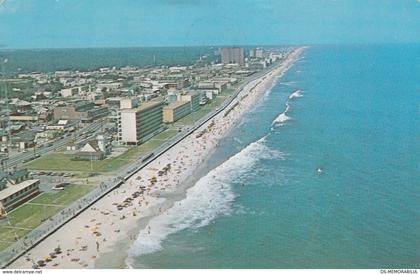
(130, 23)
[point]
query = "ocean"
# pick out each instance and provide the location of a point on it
(323, 173)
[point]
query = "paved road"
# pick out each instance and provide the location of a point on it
(52, 224)
(55, 145)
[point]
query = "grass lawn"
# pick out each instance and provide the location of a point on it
(63, 162)
(192, 118)
(30, 216)
(7, 234)
(64, 197)
(3, 245)
(24, 218)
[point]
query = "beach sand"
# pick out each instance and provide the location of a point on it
(100, 236)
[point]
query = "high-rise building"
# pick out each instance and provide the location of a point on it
(193, 98)
(176, 111)
(136, 125)
(129, 103)
(232, 55)
(259, 53)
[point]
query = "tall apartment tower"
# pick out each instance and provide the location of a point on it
(232, 56)
(137, 125)
(259, 53)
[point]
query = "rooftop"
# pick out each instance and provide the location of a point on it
(176, 104)
(15, 188)
(143, 106)
(18, 174)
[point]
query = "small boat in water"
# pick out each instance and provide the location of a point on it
(319, 170)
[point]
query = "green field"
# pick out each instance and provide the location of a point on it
(23, 220)
(30, 215)
(59, 161)
(7, 234)
(3, 245)
(63, 197)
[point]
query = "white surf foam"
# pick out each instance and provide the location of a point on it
(210, 197)
(298, 93)
(282, 118)
(290, 83)
(270, 88)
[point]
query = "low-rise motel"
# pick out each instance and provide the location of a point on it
(15, 190)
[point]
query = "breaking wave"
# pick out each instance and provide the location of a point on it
(210, 197)
(282, 118)
(290, 83)
(298, 93)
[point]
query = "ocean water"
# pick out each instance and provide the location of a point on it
(259, 202)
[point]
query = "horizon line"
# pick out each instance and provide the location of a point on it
(5, 48)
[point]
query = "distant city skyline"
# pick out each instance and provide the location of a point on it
(127, 23)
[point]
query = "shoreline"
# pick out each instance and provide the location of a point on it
(91, 238)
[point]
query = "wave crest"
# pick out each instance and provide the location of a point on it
(282, 117)
(210, 197)
(298, 93)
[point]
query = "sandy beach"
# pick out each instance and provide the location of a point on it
(114, 222)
